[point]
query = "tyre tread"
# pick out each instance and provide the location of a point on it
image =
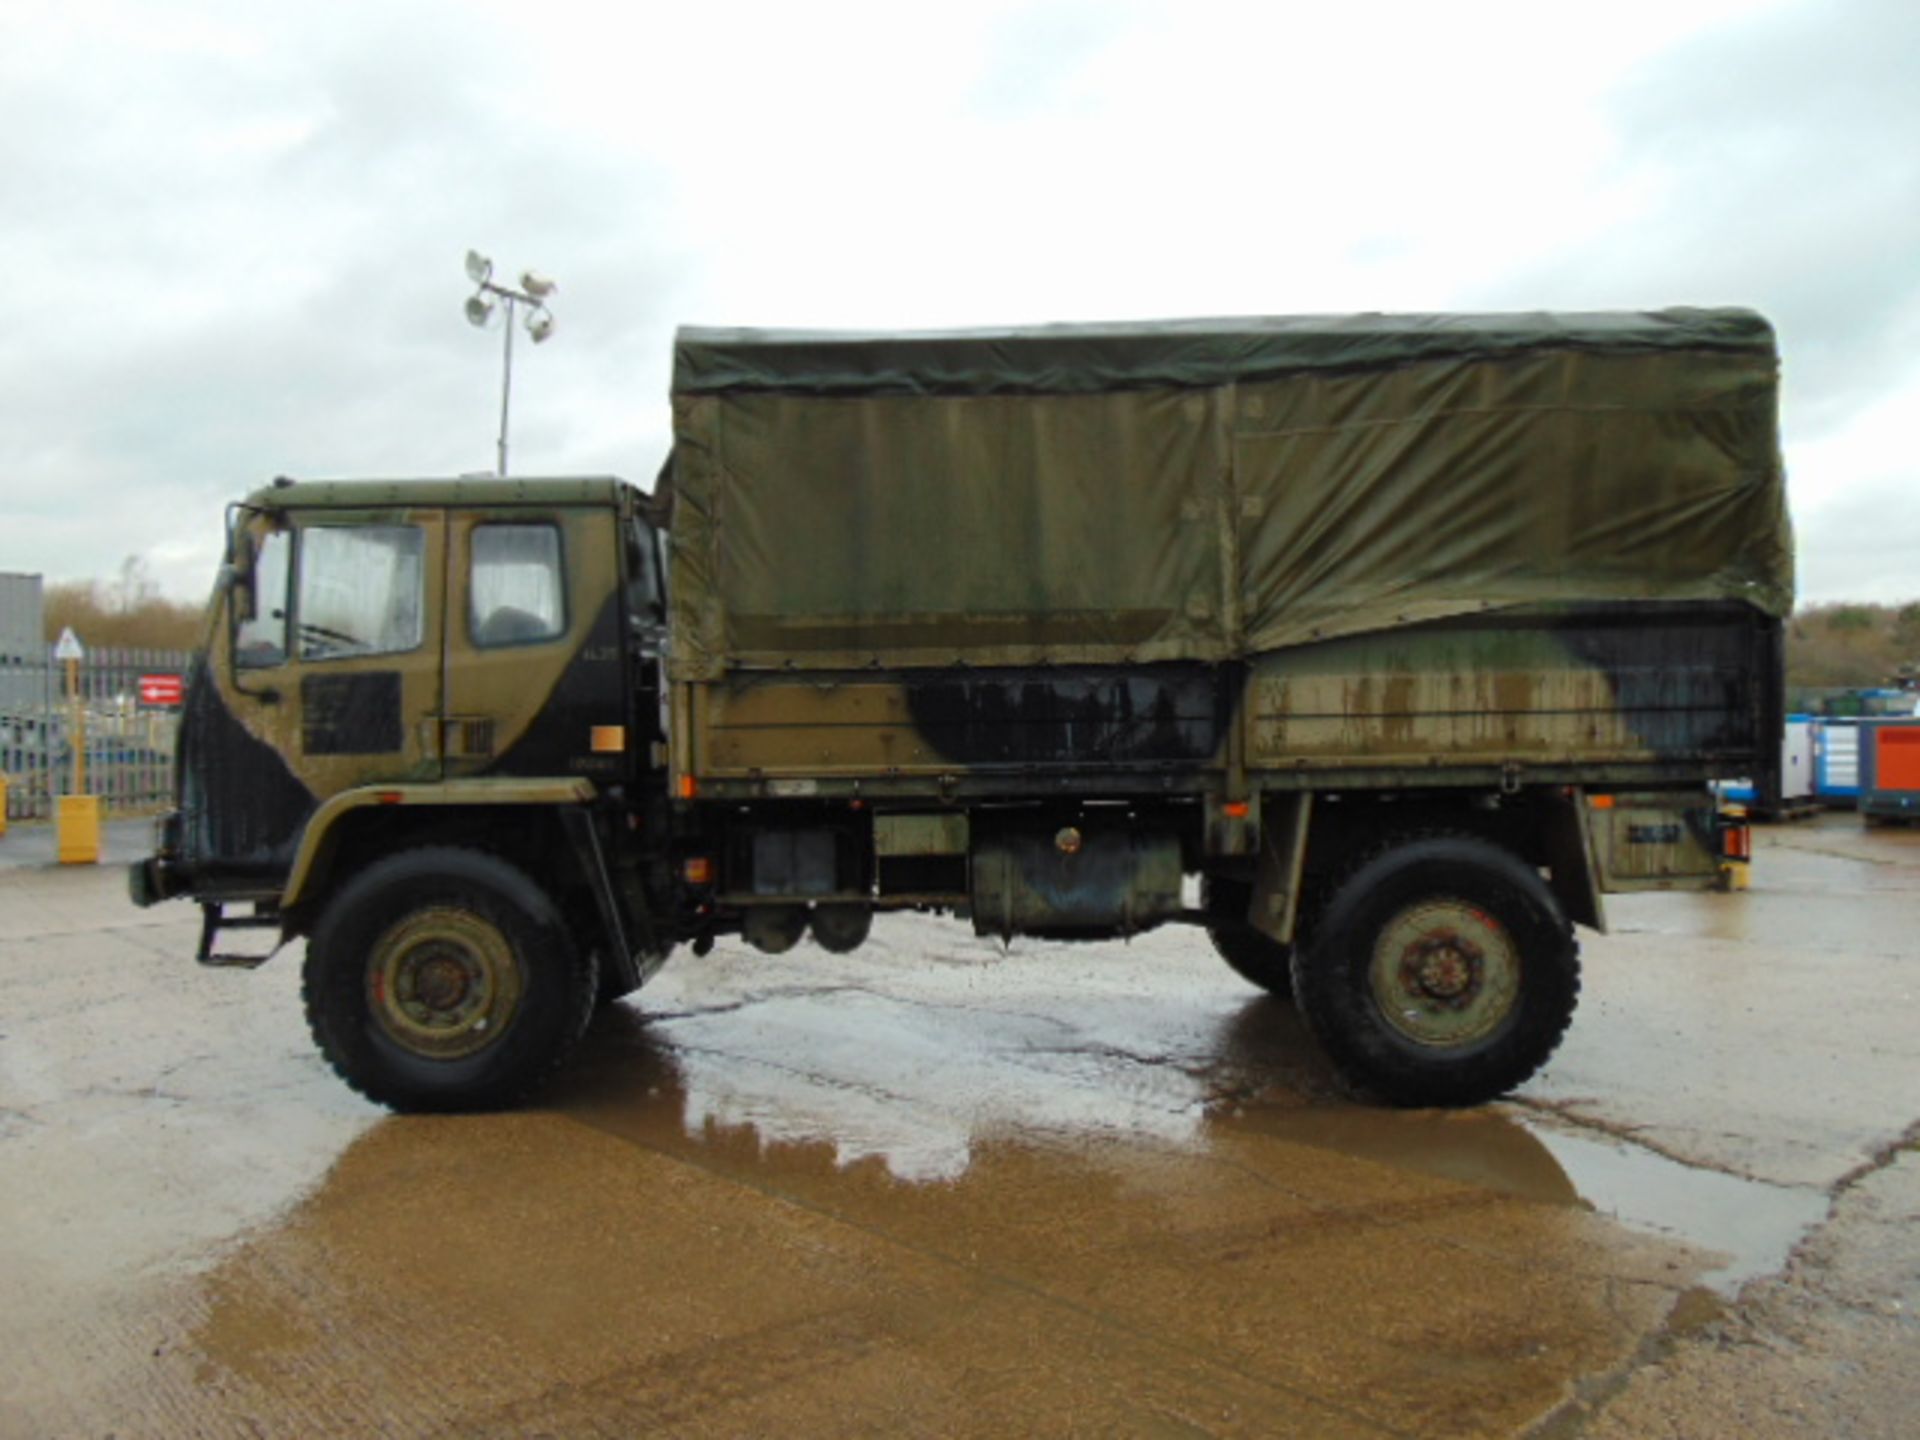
(1479, 1078)
(499, 1092)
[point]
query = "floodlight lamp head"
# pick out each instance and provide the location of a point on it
(479, 267)
(539, 325)
(537, 285)
(479, 310)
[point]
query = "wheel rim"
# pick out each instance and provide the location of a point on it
(1445, 973)
(443, 983)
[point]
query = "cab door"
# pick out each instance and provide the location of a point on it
(534, 664)
(340, 667)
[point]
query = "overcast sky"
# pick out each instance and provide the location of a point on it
(234, 232)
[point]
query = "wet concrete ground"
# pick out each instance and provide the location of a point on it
(934, 1188)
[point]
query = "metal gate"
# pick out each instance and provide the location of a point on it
(128, 740)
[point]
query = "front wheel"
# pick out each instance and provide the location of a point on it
(1443, 972)
(445, 979)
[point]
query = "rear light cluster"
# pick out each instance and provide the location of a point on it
(1736, 841)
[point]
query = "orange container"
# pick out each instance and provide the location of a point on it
(1899, 757)
(1890, 769)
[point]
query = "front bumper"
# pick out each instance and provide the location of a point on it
(158, 877)
(152, 880)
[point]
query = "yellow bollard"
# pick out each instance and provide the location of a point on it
(77, 826)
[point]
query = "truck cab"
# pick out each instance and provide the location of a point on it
(462, 655)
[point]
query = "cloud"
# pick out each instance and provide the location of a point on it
(237, 230)
(1773, 164)
(243, 258)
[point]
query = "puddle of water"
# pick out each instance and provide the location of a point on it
(1753, 1223)
(915, 1086)
(1486, 1149)
(915, 1077)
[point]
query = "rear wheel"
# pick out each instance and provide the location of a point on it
(445, 979)
(1255, 957)
(1443, 972)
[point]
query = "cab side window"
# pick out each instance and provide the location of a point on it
(261, 640)
(646, 595)
(516, 594)
(361, 589)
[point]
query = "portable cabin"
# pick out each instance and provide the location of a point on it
(1890, 769)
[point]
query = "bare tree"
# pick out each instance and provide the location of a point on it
(136, 587)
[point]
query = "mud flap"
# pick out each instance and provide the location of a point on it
(1568, 844)
(619, 938)
(1277, 872)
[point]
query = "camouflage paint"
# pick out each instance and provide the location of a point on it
(1649, 692)
(267, 748)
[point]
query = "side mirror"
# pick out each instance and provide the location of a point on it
(236, 575)
(236, 584)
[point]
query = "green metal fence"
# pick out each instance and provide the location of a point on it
(129, 742)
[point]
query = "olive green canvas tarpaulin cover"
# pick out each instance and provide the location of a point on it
(1204, 490)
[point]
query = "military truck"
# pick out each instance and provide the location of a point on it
(1382, 647)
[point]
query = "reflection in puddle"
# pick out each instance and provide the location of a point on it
(916, 1081)
(914, 1085)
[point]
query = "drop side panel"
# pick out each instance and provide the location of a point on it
(1632, 694)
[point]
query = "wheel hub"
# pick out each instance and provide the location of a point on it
(443, 982)
(1444, 967)
(1445, 973)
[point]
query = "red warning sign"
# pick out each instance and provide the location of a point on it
(161, 690)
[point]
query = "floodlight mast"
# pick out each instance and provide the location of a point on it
(533, 292)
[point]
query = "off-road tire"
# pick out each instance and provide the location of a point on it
(1255, 957)
(466, 903)
(1439, 897)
